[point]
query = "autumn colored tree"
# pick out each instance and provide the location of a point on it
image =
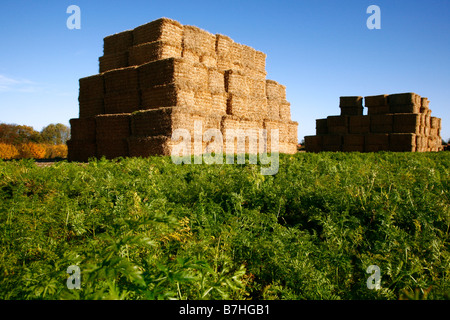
(17, 134)
(8, 151)
(32, 150)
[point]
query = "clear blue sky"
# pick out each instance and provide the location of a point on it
(319, 49)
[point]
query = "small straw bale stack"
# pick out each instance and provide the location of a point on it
(91, 96)
(112, 133)
(397, 122)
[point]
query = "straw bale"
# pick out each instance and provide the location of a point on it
(273, 109)
(359, 124)
(162, 29)
(352, 111)
(381, 123)
(198, 42)
(216, 81)
(354, 140)
(404, 99)
(219, 103)
(112, 126)
(292, 136)
(337, 124)
(407, 108)
(121, 80)
(351, 101)
(376, 110)
(376, 101)
(122, 102)
(247, 107)
(375, 148)
(83, 129)
(421, 143)
(275, 91)
(321, 126)
(313, 143)
(166, 96)
(118, 42)
(113, 61)
(435, 122)
(332, 140)
(91, 107)
(80, 150)
(285, 111)
(149, 146)
(353, 148)
(406, 123)
(402, 142)
(179, 71)
(112, 148)
(380, 139)
(153, 51)
(223, 47)
(237, 82)
(91, 87)
(425, 103)
(152, 122)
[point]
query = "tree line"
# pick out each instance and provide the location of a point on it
(21, 141)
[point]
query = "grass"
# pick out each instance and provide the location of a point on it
(150, 229)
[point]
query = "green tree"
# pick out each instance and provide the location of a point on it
(55, 134)
(18, 134)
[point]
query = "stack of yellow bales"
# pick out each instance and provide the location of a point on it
(396, 122)
(164, 76)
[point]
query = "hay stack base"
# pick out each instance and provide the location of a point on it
(163, 76)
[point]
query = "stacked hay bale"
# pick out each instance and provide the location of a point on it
(164, 76)
(396, 122)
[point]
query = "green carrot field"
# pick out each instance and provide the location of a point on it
(151, 229)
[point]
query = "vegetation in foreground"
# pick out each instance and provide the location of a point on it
(150, 229)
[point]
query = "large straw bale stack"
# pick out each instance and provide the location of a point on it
(113, 61)
(153, 51)
(163, 29)
(118, 43)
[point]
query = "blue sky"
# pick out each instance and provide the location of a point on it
(319, 49)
